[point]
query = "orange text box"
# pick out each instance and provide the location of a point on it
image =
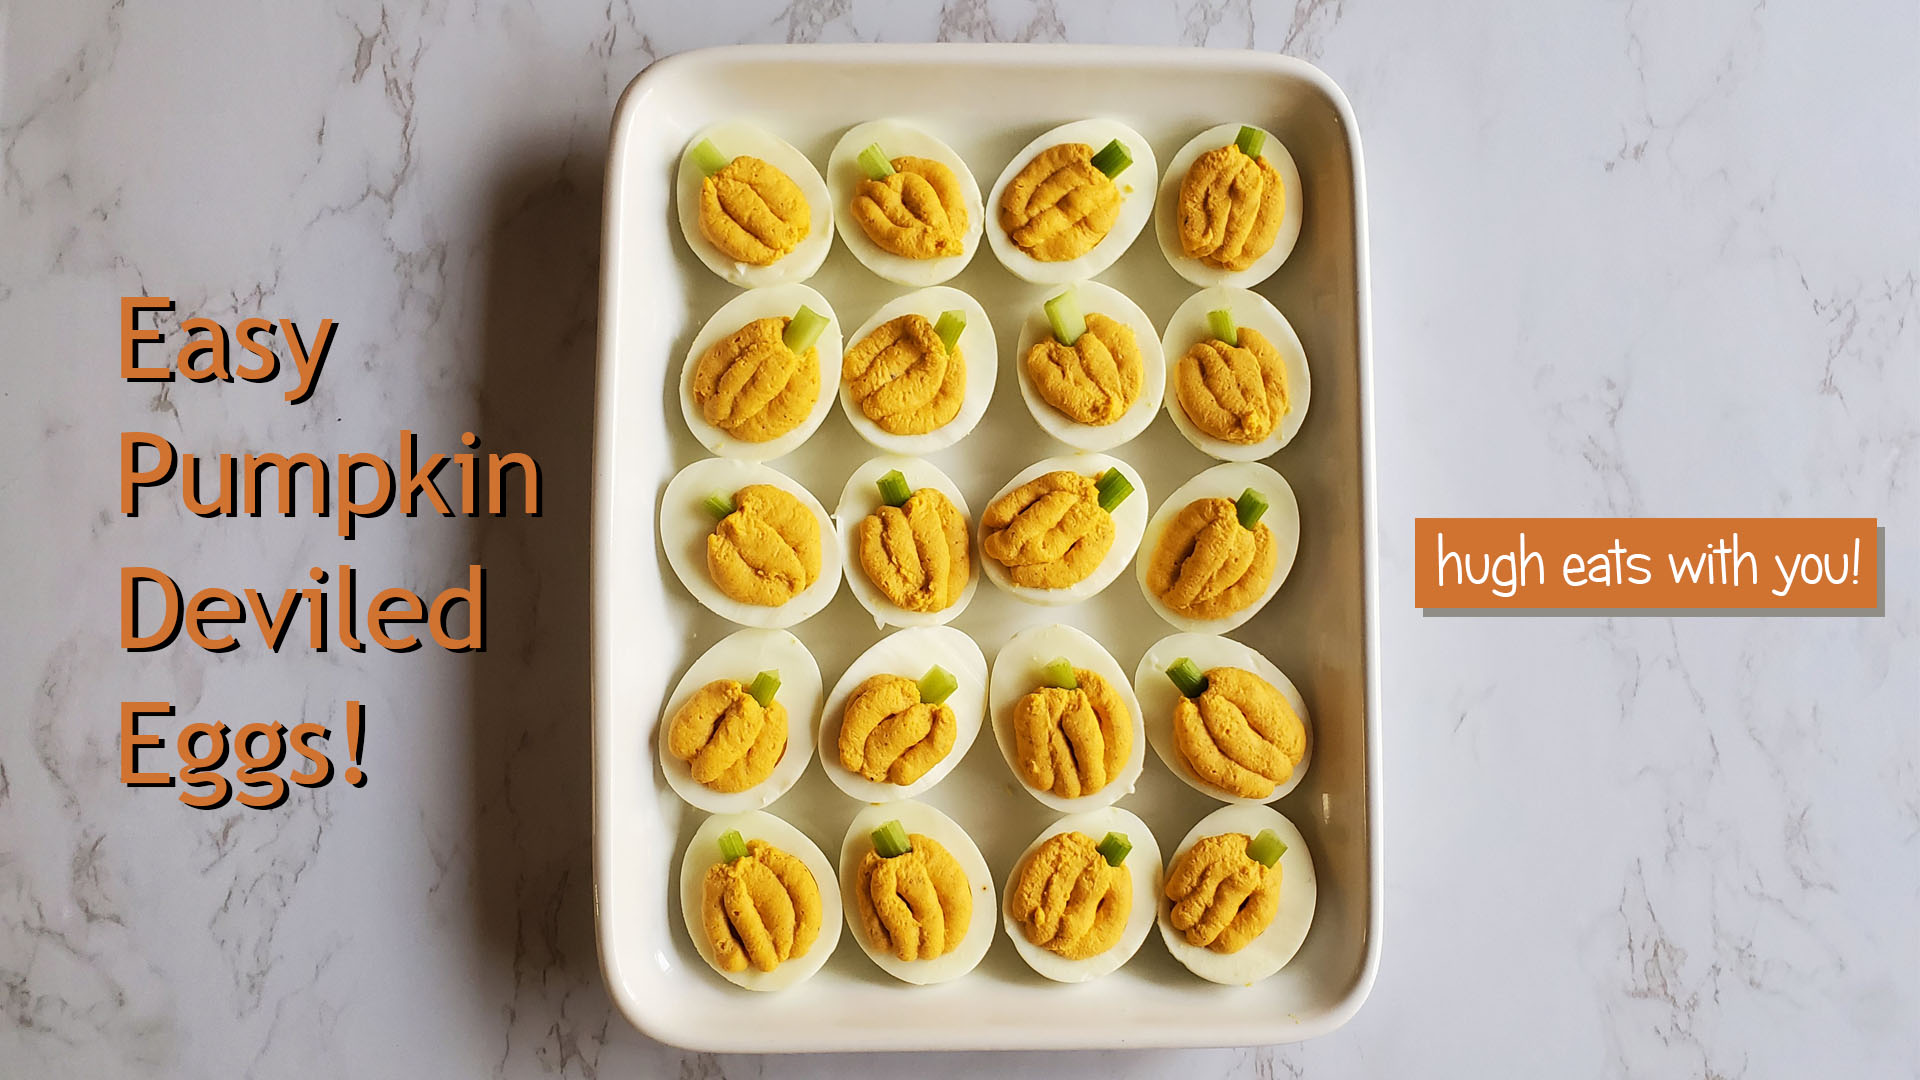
(1627, 563)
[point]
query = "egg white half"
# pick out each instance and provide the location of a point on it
(978, 348)
(740, 656)
(770, 302)
(1143, 863)
(860, 498)
(910, 654)
(1167, 216)
(1299, 891)
(735, 138)
(1016, 673)
(1189, 325)
(1227, 481)
(1096, 298)
(1129, 521)
(1158, 696)
(920, 818)
(900, 139)
(1136, 185)
(703, 851)
(685, 525)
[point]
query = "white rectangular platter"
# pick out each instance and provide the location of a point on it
(987, 101)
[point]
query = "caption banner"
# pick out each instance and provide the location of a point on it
(1647, 563)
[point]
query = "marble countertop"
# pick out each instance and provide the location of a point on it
(1628, 258)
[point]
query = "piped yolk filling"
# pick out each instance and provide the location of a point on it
(915, 554)
(1230, 208)
(1240, 735)
(751, 386)
(1209, 566)
(888, 735)
(753, 212)
(1059, 206)
(768, 550)
(726, 737)
(918, 212)
(1068, 901)
(1072, 742)
(1235, 393)
(1096, 379)
(1049, 532)
(762, 908)
(1222, 898)
(916, 906)
(904, 378)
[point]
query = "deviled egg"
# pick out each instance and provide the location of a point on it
(1237, 376)
(749, 542)
(917, 376)
(1219, 547)
(1066, 719)
(1081, 898)
(738, 729)
(1072, 201)
(1229, 209)
(904, 713)
(907, 539)
(1239, 895)
(910, 207)
(761, 374)
(1063, 528)
(917, 893)
(759, 900)
(752, 208)
(1223, 718)
(1091, 369)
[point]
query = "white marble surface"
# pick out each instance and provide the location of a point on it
(1629, 258)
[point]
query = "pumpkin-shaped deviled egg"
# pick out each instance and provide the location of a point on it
(1237, 377)
(738, 729)
(917, 376)
(1238, 896)
(1072, 201)
(916, 891)
(751, 207)
(1065, 717)
(907, 539)
(1063, 528)
(1230, 207)
(749, 542)
(1091, 369)
(1082, 897)
(1219, 547)
(909, 206)
(759, 899)
(762, 373)
(904, 713)
(1223, 718)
